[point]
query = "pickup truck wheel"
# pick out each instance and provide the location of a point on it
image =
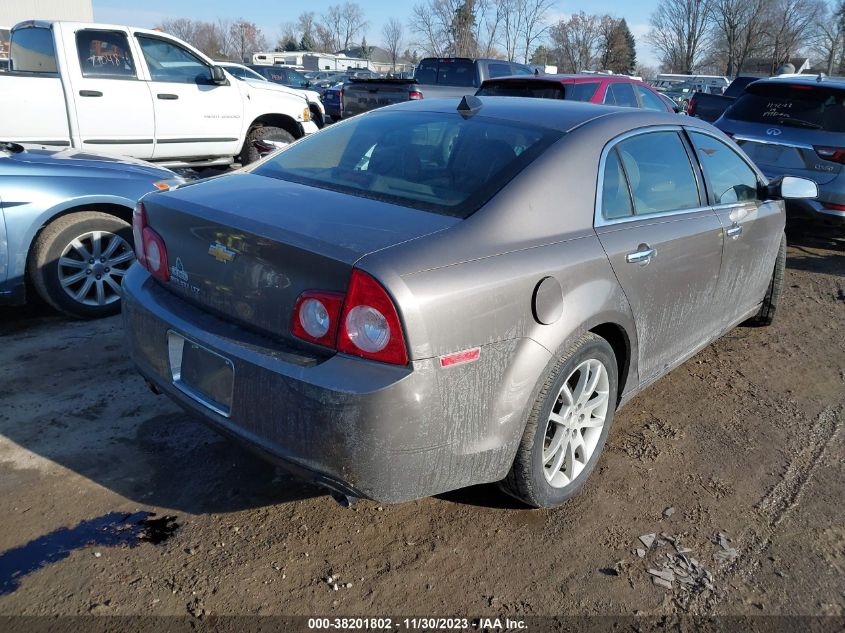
(766, 316)
(567, 427)
(276, 135)
(78, 262)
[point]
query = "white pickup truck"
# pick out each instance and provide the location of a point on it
(137, 92)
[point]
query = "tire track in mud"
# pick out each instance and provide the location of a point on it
(778, 503)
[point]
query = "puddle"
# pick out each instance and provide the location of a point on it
(110, 530)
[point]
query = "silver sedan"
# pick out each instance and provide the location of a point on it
(435, 295)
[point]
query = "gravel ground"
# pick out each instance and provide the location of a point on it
(730, 468)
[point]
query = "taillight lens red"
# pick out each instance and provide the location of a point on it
(316, 317)
(363, 323)
(415, 95)
(833, 154)
(150, 250)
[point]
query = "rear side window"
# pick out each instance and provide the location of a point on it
(33, 51)
(172, 63)
(728, 177)
(535, 89)
(621, 94)
(793, 105)
(650, 100)
(581, 91)
(437, 162)
(659, 173)
(615, 197)
(105, 54)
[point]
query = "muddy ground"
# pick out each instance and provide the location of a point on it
(744, 439)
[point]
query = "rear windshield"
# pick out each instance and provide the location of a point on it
(540, 90)
(447, 72)
(437, 162)
(803, 106)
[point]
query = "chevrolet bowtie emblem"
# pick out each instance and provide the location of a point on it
(221, 253)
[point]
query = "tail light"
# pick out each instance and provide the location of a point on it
(833, 154)
(316, 317)
(364, 323)
(415, 95)
(691, 105)
(150, 250)
(834, 207)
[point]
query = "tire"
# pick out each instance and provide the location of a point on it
(769, 308)
(59, 269)
(535, 480)
(249, 153)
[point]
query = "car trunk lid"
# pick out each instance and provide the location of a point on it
(246, 246)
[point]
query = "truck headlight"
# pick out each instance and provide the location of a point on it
(306, 114)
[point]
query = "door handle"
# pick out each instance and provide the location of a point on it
(90, 93)
(167, 96)
(734, 232)
(642, 255)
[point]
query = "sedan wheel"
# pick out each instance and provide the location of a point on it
(568, 425)
(575, 423)
(92, 267)
(78, 261)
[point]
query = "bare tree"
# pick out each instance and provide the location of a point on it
(392, 37)
(183, 28)
(789, 27)
(738, 25)
(289, 38)
(344, 23)
(576, 42)
(306, 24)
(245, 38)
(534, 24)
(680, 32)
(829, 39)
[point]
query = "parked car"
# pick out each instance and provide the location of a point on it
(64, 225)
(244, 73)
(607, 89)
(711, 106)
(795, 127)
(440, 318)
(136, 92)
(282, 75)
(355, 96)
(458, 76)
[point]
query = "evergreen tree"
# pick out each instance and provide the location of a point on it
(306, 43)
(630, 48)
(290, 44)
(366, 51)
(463, 30)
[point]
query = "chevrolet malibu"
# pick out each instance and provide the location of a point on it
(428, 297)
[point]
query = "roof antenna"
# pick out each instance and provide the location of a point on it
(469, 105)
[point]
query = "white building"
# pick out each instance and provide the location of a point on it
(14, 11)
(311, 61)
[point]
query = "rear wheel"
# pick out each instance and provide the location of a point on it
(78, 262)
(770, 302)
(269, 137)
(567, 427)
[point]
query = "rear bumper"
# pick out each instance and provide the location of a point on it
(366, 429)
(814, 210)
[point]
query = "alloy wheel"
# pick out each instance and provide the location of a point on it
(575, 423)
(92, 267)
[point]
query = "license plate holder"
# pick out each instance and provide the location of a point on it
(200, 373)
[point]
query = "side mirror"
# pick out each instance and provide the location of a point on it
(791, 188)
(218, 77)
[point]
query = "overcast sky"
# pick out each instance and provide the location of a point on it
(269, 15)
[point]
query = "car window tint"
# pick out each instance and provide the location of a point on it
(437, 162)
(615, 197)
(583, 91)
(427, 72)
(33, 51)
(659, 173)
(650, 100)
(456, 72)
(793, 105)
(621, 94)
(172, 63)
(499, 70)
(518, 69)
(104, 54)
(729, 178)
(522, 88)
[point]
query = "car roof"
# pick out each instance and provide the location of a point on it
(569, 78)
(807, 80)
(553, 114)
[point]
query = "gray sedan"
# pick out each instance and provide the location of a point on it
(428, 297)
